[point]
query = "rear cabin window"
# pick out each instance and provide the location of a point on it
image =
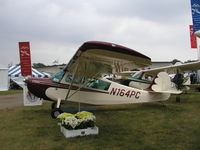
(98, 84)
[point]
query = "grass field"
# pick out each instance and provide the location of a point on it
(148, 126)
(11, 92)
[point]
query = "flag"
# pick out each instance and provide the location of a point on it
(193, 39)
(195, 7)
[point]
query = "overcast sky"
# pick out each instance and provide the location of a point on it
(57, 28)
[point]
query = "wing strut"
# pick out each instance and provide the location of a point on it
(67, 96)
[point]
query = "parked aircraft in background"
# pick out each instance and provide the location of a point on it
(148, 75)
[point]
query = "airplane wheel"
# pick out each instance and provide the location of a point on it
(55, 112)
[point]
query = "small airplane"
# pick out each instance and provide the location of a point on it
(87, 78)
(142, 79)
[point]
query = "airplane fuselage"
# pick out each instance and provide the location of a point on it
(116, 93)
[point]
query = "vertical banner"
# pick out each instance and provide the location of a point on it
(25, 58)
(195, 7)
(193, 38)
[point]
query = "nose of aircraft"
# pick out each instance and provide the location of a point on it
(38, 86)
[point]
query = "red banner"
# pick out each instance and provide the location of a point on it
(25, 58)
(193, 38)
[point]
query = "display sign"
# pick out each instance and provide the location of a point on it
(30, 99)
(25, 58)
(193, 38)
(195, 6)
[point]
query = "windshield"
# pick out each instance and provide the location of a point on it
(57, 77)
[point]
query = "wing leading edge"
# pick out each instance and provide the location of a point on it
(173, 69)
(169, 69)
(95, 58)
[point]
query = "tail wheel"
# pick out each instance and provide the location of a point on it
(55, 112)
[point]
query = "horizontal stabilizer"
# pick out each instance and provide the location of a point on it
(170, 92)
(163, 84)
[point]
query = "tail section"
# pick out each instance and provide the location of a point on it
(162, 84)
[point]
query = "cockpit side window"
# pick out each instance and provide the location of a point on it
(58, 76)
(91, 83)
(69, 78)
(77, 80)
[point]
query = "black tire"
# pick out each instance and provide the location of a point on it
(55, 112)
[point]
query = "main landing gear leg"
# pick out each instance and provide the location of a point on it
(56, 110)
(178, 98)
(163, 104)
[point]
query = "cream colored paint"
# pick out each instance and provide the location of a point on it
(117, 94)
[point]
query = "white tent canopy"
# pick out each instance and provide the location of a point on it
(15, 71)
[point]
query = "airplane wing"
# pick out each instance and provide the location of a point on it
(169, 69)
(173, 69)
(95, 58)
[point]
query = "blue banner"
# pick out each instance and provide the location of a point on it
(195, 6)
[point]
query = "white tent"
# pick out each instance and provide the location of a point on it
(15, 71)
(3, 79)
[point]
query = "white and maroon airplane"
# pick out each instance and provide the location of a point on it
(82, 79)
